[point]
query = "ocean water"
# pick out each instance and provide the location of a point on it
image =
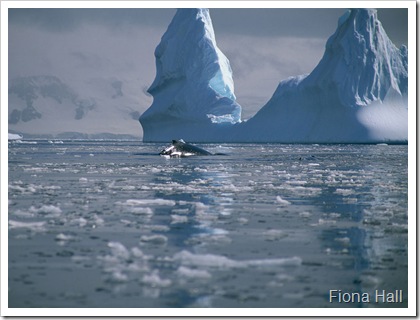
(112, 224)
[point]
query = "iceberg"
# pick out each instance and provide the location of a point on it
(193, 92)
(358, 92)
(14, 136)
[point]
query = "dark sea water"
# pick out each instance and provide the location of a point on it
(112, 224)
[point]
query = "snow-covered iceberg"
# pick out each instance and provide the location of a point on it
(356, 94)
(193, 90)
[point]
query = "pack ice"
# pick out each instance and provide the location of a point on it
(356, 94)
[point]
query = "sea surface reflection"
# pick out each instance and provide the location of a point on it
(266, 225)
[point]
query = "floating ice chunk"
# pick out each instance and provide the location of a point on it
(218, 231)
(293, 261)
(154, 280)
(63, 237)
(324, 222)
(178, 219)
(369, 281)
(118, 276)
(30, 188)
(334, 215)
(281, 201)
(46, 209)
(97, 220)
(203, 302)
(193, 273)
(136, 252)
(81, 222)
(397, 227)
(200, 208)
(205, 260)
(125, 188)
(344, 192)
(141, 210)
(139, 206)
(305, 214)
(34, 226)
(154, 239)
(158, 227)
(145, 202)
(122, 263)
(297, 182)
(344, 241)
(180, 211)
(119, 250)
(218, 261)
(275, 234)
(22, 213)
(242, 220)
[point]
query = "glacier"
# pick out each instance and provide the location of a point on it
(193, 92)
(356, 94)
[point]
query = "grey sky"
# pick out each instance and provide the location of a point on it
(258, 22)
(264, 46)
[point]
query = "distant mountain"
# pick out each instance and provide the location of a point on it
(29, 89)
(44, 105)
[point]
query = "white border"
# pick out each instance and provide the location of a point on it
(410, 311)
(412, 158)
(4, 67)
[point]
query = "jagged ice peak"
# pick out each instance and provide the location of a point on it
(356, 94)
(361, 61)
(193, 78)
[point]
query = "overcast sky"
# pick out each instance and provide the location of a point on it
(264, 46)
(256, 22)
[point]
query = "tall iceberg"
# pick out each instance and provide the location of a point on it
(193, 92)
(356, 94)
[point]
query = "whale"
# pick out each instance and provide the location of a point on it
(181, 149)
